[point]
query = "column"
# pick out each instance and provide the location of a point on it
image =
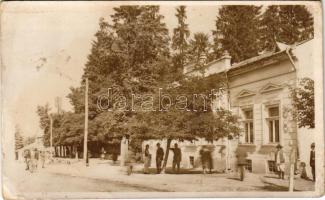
(124, 150)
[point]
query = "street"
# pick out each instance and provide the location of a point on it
(103, 176)
(48, 181)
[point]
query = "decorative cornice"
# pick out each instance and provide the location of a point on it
(245, 93)
(270, 87)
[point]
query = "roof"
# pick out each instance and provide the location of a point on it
(283, 49)
(192, 66)
(256, 59)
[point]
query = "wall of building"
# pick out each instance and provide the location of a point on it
(191, 150)
(265, 87)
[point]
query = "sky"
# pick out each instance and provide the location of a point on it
(45, 48)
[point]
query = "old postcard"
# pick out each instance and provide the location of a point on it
(161, 99)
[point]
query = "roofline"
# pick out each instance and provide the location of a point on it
(252, 60)
(206, 65)
(255, 59)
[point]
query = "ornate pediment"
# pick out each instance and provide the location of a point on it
(270, 87)
(245, 93)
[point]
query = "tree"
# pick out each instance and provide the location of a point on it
(303, 100)
(269, 28)
(288, 24)
(18, 139)
(43, 113)
(196, 120)
(29, 140)
(200, 46)
(129, 55)
(179, 40)
(237, 31)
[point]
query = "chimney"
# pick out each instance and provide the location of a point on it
(203, 59)
(227, 59)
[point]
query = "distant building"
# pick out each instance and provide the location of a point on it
(258, 92)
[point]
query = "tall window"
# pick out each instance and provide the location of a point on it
(273, 123)
(249, 126)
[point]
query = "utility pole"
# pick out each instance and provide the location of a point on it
(86, 125)
(51, 137)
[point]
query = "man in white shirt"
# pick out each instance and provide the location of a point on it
(280, 161)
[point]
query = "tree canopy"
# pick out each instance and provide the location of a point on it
(180, 39)
(244, 31)
(303, 99)
(237, 31)
(288, 24)
(19, 140)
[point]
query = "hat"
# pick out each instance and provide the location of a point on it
(279, 146)
(312, 144)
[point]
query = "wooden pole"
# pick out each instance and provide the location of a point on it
(85, 156)
(292, 166)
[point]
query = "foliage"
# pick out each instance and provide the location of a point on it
(43, 113)
(244, 32)
(269, 28)
(200, 46)
(237, 31)
(29, 140)
(130, 55)
(303, 99)
(19, 143)
(180, 39)
(288, 24)
(197, 120)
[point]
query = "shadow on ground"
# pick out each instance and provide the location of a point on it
(169, 170)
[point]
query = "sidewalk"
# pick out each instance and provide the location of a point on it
(106, 170)
(283, 185)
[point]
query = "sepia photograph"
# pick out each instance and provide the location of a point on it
(161, 99)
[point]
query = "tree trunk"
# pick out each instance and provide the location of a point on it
(166, 155)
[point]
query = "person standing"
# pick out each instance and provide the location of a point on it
(159, 157)
(241, 156)
(312, 160)
(103, 153)
(27, 156)
(43, 158)
(204, 158)
(177, 157)
(280, 161)
(36, 157)
(147, 157)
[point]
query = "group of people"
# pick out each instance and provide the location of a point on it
(160, 157)
(207, 161)
(280, 162)
(32, 158)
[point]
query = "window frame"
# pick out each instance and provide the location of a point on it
(272, 119)
(248, 122)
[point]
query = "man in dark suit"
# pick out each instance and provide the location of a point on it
(177, 157)
(312, 160)
(241, 155)
(159, 157)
